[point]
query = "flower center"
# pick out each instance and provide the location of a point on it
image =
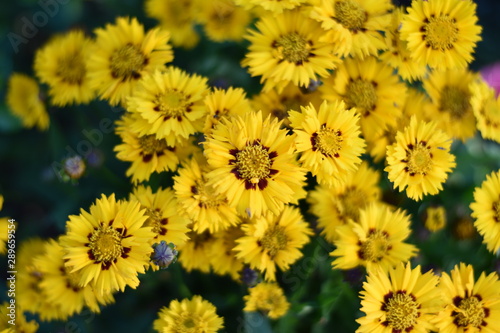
(253, 163)
(362, 95)
(127, 62)
(154, 219)
(350, 14)
(72, 279)
(401, 311)
(418, 159)
(172, 103)
(440, 32)
(206, 195)
(151, 145)
(350, 202)
(106, 244)
(470, 312)
(496, 211)
(455, 101)
(375, 247)
(72, 69)
(328, 141)
(293, 48)
(188, 323)
(274, 240)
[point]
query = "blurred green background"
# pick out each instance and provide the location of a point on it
(323, 300)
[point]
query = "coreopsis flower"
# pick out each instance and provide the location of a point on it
(354, 26)
(486, 211)
(178, 17)
(372, 88)
(486, 108)
(61, 287)
(62, 64)
(223, 253)
(169, 104)
(24, 100)
(273, 241)
(470, 305)
(329, 141)
(254, 164)
(336, 205)
(420, 159)
(400, 300)
(268, 298)
(163, 217)
(286, 48)
(435, 218)
(196, 253)
(122, 54)
(273, 6)
(441, 34)
(377, 239)
(194, 315)
(451, 94)
(108, 245)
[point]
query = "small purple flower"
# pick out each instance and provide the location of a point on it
(164, 254)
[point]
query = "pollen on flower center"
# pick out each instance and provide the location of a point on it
(274, 240)
(328, 141)
(293, 48)
(440, 32)
(188, 323)
(73, 279)
(206, 195)
(127, 62)
(361, 94)
(72, 69)
(253, 163)
(401, 311)
(151, 145)
(418, 159)
(471, 312)
(105, 243)
(350, 14)
(350, 202)
(172, 103)
(455, 100)
(154, 220)
(496, 211)
(375, 247)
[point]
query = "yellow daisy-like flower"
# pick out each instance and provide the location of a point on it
(450, 92)
(196, 253)
(123, 53)
(470, 305)
(441, 34)
(420, 159)
(335, 206)
(486, 109)
(400, 300)
(286, 48)
(274, 6)
(200, 202)
(24, 100)
(62, 64)
(372, 88)
(354, 26)
(397, 54)
(147, 153)
(329, 140)
(178, 17)
(225, 103)
(486, 211)
(435, 218)
(268, 298)
(464, 228)
(273, 240)
(253, 164)
(21, 324)
(170, 103)
(223, 253)
(194, 315)
(109, 245)
(61, 287)
(376, 239)
(163, 217)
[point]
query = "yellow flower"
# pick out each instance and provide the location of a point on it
(376, 239)
(286, 48)
(253, 164)
(194, 315)
(486, 211)
(21, 323)
(401, 300)
(441, 34)
(470, 305)
(62, 64)
(24, 100)
(170, 103)
(223, 253)
(109, 245)
(354, 26)
(122, 54)
(268, 298)
(273, 6)
(329, 141)
(272, 241)
(435, 218)
(196, 253)
(335, 206)
(486, 108)
(420, 159)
